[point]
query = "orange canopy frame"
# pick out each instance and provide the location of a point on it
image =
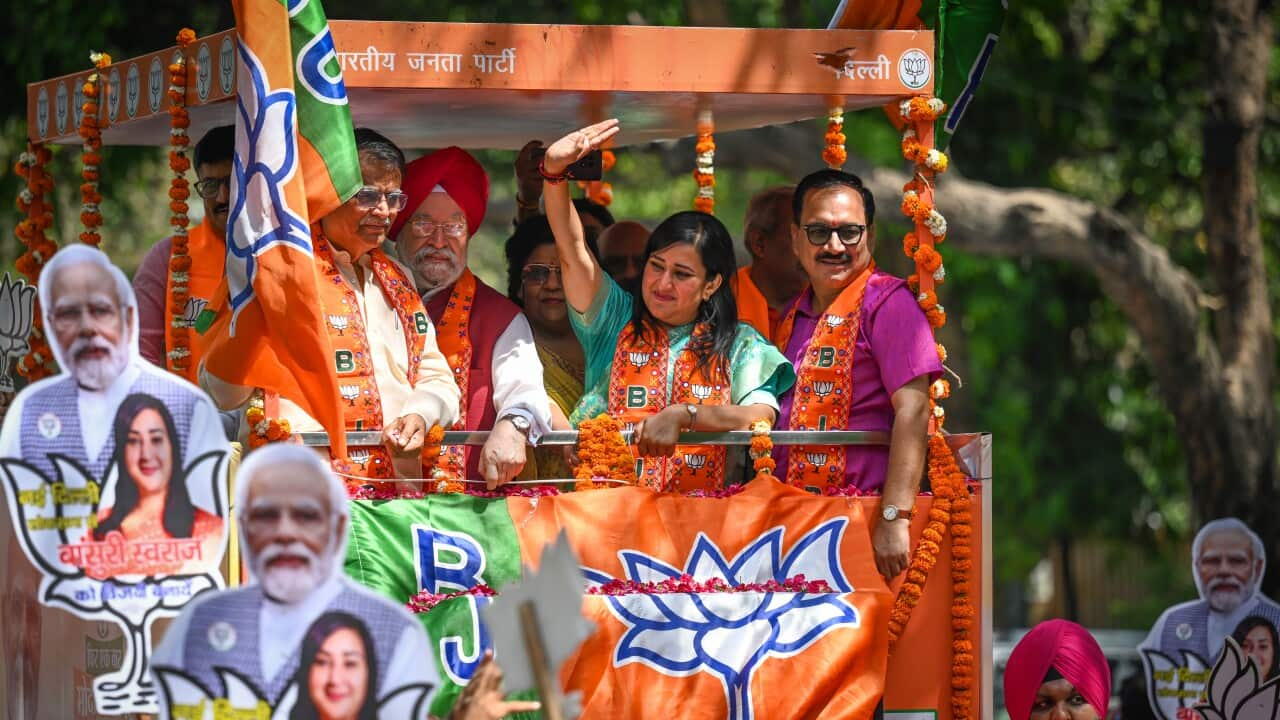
(476, 85)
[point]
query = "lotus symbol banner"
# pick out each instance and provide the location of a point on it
(729, 635)
(639, 359)
(17, 303)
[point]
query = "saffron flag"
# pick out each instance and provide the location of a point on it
(295, 162)
(694, 652)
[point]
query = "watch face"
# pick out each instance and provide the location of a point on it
(890, 512)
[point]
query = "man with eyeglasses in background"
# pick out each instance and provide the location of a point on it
(485, 337)
(207, 248)
(390, 370)
(864, 356)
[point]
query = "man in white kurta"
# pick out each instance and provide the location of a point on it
(355, 231)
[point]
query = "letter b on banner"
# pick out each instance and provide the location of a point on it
(826, 356)
(449, 562)
(636, 397)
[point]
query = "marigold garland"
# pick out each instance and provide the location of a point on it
(704, 171)
(91, 158)
(834, 153)
(690, 584)
(920, 109)
(424, 601)
(602, 453)
(179, 334)
(943, 471)
(761, 451)
(38, 362)
(263, 430)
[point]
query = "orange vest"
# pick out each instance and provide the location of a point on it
(208, 254)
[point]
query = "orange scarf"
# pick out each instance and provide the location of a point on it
(353, 355)
(455, 342)
(638, 389)
(753, 309)
(208, 255)
(824, 385)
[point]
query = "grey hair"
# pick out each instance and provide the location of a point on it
(1227, 524)
(81, 254)
(313, 464)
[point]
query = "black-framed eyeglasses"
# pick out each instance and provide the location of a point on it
(539, 274)
(426, 227)
(821, 234)
(208, 188)
(369, 197)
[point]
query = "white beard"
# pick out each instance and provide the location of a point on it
(437, 271)
(290, 585)
(97, 374)
(1224, 598)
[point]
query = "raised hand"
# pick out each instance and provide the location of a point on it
(574, 146)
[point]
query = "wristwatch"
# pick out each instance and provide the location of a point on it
(693, 415)
(520, 422)
(893, 512)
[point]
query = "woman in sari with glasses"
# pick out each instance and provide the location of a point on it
(535, 282)
(670, 356)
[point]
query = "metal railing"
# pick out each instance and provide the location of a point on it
(570, 437)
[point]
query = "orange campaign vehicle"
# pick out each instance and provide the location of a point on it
(759, 600)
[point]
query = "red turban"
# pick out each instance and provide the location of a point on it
(458, 173)
(1069, 649)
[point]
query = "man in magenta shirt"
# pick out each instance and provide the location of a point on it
(882, 385)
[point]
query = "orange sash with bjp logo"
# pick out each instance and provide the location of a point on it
(455, 344)
(638, 388)
(207, 254)
(824, 385)
(353, 356)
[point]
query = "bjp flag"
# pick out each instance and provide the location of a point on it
(757, 652)
(295, 162)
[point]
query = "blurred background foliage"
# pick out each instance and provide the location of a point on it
(1101, 99)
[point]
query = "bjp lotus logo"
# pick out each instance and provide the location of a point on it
(695, 461)
(359, 457)
(823, 388)
(681, 634)
(1236, 690)
(349, 393)
(17, 303)
(639, 359)
(339, 323)
(818, 459)
(702, 392)
(192, 310)
(835, 320)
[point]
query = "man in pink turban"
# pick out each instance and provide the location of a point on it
(1057, 672)
(484, 336)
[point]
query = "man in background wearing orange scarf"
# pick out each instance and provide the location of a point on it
(774, 276)
(207, 246)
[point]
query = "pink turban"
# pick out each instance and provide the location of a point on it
(454, 170)
(1069, 649)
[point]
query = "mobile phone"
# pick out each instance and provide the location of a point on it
(589, 167)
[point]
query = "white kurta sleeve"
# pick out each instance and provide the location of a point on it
(11, 433)
(435, 396)
(517, 378)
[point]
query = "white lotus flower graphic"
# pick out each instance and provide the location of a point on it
(1234, 692)
(241, 699)
(43, 526)
(1183, 691)
(730, 634)
(266, 160)
(639, 359)
(17, 304)
(835, 320)
(192, 310)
